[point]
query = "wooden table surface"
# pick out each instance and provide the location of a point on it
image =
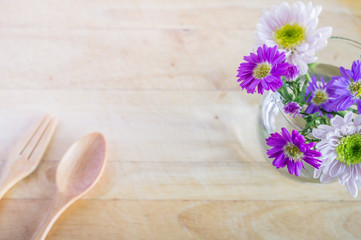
(157, 78)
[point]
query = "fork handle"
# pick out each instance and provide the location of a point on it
(4, 187)
(57, 207)
(6, 181)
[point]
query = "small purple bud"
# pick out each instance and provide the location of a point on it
(293, 108)
(292, 73)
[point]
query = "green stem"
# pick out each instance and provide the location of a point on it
(284, 92)
(308, 78)
(342, 114)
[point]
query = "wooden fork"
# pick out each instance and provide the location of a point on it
(26, 154)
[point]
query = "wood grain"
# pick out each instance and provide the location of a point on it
(139, 219)
(186, 180)
(157, 78)
(203, 126)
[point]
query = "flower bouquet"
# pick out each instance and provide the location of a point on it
(327, 136)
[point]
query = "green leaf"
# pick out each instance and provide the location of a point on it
(308, 96)
(284, 92)
(303, 92)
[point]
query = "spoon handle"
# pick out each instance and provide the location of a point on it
(57, 207)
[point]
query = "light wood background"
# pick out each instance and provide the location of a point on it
(157, 78)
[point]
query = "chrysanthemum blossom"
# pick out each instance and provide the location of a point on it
(293, 30)
(321, 98)
(340, 146)
(293, 109)
(291, 151)
(263, 70)
(348, 87)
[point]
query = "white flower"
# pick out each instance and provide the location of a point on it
(340, 147)
(293, 30)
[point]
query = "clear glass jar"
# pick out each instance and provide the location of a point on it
(338, 52)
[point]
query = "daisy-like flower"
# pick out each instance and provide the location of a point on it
(291, 151)
(293, 108)
(340, 146)
(263, 70)
(321, 97)
(292, 73)
(293, 30)
(348, 87)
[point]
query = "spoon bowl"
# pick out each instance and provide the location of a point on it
(82, 165)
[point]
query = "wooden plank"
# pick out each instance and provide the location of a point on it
(141, 125)
(118, 60)
(111, 59)
(192, 181)
(97, 219)
(101, 50)
(127, 14)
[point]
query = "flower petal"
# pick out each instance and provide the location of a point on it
(325, 178)
(352, 188)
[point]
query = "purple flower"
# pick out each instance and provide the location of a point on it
(263, 70)
(291, 151)
(347, 87)
(292, 73)
(322, 97)
(293, 108)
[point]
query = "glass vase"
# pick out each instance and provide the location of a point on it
(338, 52)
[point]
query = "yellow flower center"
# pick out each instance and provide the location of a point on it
(320, 97)
(262, 70)
(290, 36)
(292, 151)
(355, 87)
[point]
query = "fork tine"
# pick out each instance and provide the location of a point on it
(29, 147)
(42, 144)
(20, 144)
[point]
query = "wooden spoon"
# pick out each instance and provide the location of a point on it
(78, 171)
